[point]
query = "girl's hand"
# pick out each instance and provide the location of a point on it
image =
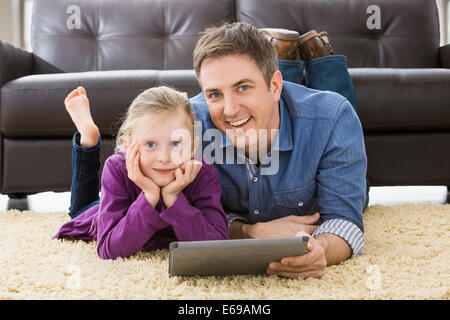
(183, 177)
(151, 190)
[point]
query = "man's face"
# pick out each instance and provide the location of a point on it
(239, 101)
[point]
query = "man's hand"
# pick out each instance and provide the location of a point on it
(152, 191)
(183, 177)
(284, 227)
(311, 264)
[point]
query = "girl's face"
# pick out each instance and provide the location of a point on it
(164, 144)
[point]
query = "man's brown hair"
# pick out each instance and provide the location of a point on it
(236, 38)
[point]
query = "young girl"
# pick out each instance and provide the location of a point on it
(152, 192)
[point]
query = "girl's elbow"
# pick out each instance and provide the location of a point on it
(111, 250)
(104, 254)
(225, 235)
(224, 232)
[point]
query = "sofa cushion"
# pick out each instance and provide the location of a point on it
(408, 35)
(402, 99)
(387, 99)
(34, 105)
(122, 35)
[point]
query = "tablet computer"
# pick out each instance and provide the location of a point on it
(227, 257)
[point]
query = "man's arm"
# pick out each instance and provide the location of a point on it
(287, 226)
(344, 230)
(341, 182)
(341, 191)
(336, 248)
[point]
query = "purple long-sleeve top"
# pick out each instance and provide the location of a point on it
(124, 222)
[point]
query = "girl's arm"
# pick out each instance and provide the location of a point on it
(124, 224)
(203, 218)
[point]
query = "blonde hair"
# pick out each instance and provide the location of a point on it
(153, 103)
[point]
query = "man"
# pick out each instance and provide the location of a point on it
(318, 142)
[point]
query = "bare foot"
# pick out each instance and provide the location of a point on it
(77, 105)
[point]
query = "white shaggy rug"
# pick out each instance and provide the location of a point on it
(407, 256)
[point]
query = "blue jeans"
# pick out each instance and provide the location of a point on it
(84, 192)
(325, 73)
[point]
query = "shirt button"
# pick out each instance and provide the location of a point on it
(255, 179)
(300, 203)
(256, 211)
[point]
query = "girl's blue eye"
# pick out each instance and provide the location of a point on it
(243, 88)
(176, 143)
(150, 144)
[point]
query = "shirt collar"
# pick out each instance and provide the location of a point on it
(285, 132)
(225, 141)
(284, 140)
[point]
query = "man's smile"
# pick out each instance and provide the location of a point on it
(239, 122)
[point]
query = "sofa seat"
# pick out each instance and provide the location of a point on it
(402, 100)
(41, 99)
(388, 100)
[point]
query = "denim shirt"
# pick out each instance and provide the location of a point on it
(322, 165)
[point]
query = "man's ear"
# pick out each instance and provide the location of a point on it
(276, 85)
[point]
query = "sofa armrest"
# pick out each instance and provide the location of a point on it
(14, 63)
(444, 53)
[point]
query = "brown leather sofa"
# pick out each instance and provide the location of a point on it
(118, 48)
